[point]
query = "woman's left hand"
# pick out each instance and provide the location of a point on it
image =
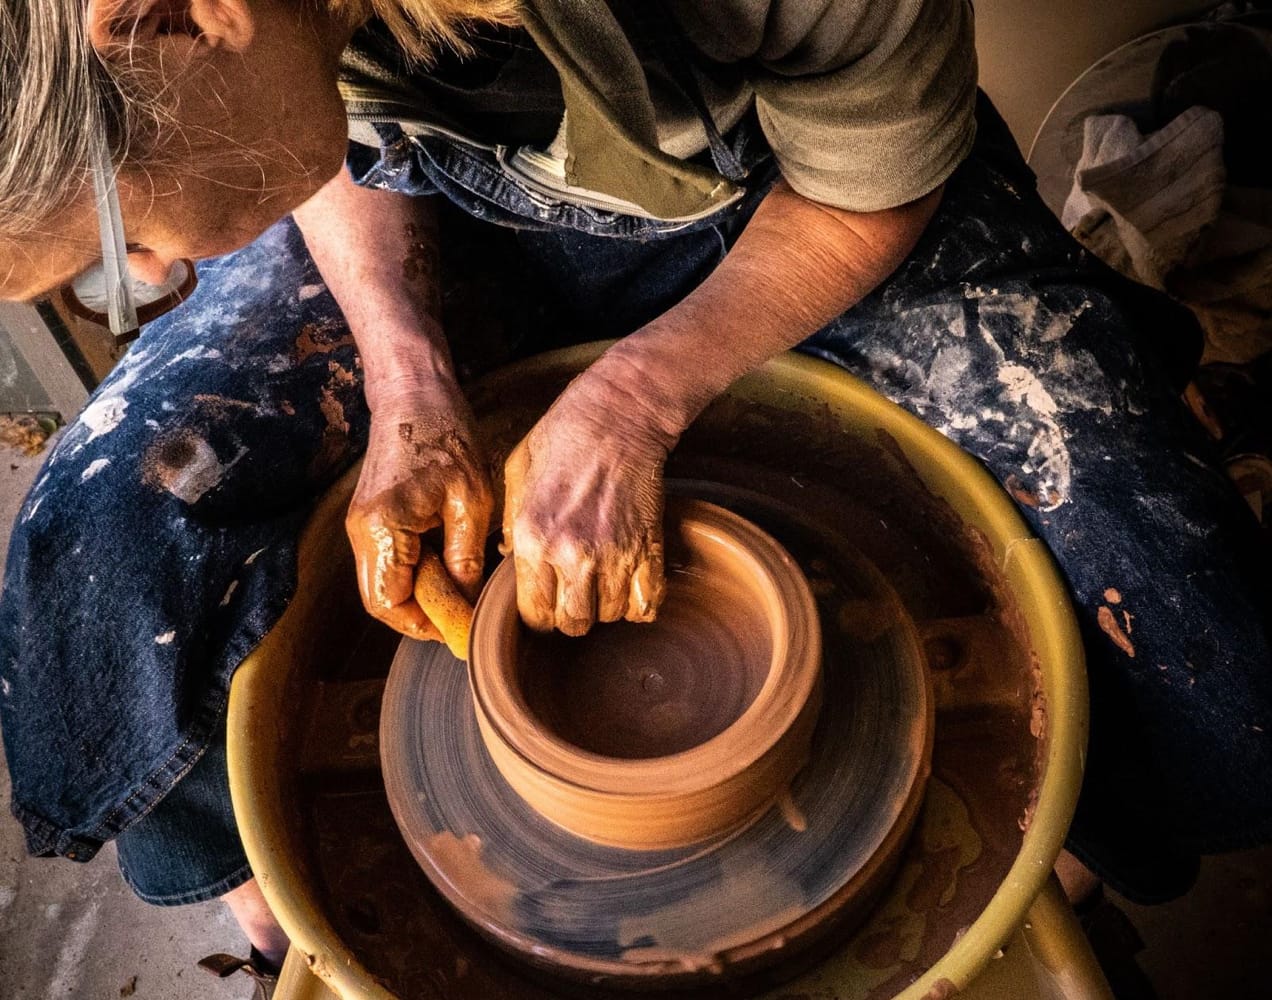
(583, 511)
(584, 505)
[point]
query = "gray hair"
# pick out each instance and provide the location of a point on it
(421, 27)
(57, 98)
(55, 101)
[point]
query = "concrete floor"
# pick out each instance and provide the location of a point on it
(1216, 942)
(75, 932)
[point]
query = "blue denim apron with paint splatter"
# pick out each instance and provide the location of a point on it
(158, 545)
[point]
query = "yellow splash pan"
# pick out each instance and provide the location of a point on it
(1024, 941)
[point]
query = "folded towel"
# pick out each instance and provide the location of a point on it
(1141, 203)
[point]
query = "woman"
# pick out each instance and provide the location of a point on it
(714, 183)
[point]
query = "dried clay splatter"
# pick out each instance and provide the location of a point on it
(321, 338)
(335, 435)
(458, 860)
(93, 468)
(791, 813)
(184, 464)
(103, 415)
(1007, 382)
(1109, 623)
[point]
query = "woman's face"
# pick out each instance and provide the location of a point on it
(257, 127)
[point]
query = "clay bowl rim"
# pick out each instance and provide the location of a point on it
(792, 681)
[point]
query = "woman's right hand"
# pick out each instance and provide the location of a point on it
(377, 251)
(422, 470)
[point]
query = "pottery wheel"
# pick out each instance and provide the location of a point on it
(809, 866)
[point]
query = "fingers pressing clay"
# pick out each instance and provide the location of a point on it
(649, 583)
(536, 593)
(583, 508)
(423, 470)
(575, 598)
(386, 560)
(613, 593)
(437, 594)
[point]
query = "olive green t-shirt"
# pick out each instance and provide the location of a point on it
(866, 105)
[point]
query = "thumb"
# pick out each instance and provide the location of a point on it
(386, 558)
(464, 526)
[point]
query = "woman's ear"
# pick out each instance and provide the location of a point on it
(114, 26)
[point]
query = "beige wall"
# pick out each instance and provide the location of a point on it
(1031, 50)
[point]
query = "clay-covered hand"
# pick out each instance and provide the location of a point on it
(583, 509)
(422, 470)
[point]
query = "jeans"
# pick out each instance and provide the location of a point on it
(158, 545)
(187, 849)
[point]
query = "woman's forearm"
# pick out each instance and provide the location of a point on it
(377, 252)
(796, 266)
(423, 469)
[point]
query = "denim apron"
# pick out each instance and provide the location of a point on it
(158, 544)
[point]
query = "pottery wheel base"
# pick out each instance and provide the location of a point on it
(808, 866)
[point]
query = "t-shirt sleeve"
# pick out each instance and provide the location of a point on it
(866, 105)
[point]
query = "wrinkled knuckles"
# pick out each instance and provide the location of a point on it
(527, 545)
(407, 547)
(467, 568)
(573, 556)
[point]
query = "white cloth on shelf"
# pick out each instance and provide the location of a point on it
(1158, 209)
(1142, 202)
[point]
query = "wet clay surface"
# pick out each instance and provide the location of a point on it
(637, 691)
(985, 760)
(701, 908)
(588, 732)
(640, 691)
